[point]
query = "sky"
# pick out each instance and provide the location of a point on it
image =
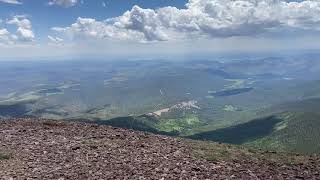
(106, 29)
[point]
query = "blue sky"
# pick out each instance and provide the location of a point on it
(152, 28)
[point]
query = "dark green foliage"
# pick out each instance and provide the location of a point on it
(4, 157)
(135, 123)
(305, 105)
(231, 92)
(93, 110)
(129, 123)
(15, 110)
(300, 133)
(242, 133)
(225, 74)
(288, 131)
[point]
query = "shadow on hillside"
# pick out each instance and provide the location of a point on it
(15, 110)
(241, 133)
(130, 122)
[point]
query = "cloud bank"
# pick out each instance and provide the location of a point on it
(11, 1)
(63, 3)
(200, 19)
(23, 34)
(24, 28)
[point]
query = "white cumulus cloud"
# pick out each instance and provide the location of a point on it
(55, 40)
(11, 1)
(5, 36)
(201, 18)
(63, 3)
(24, 28)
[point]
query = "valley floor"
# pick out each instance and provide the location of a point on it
(42, 149)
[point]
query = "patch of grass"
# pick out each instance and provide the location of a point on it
(129, 122)
(212, 151)
(92, 144)
(4, 157)
(53, 123)
(179, 124)
(216, 152)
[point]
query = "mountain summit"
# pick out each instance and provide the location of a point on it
(43, 149)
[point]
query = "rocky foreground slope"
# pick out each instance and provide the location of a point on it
(41, 149)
